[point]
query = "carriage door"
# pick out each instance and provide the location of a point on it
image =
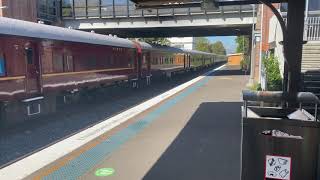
(33, 70)
(148, 63)
(184, 61)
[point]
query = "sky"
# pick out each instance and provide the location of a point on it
(228, 42)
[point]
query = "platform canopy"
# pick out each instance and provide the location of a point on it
(207, 4)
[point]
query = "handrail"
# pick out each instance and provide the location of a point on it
(279, 96)
(312, 26)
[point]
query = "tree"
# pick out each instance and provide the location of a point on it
(218, 48)
(202, 44)
(243, 45)
(158, 41)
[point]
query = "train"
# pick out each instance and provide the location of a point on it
(40, 64)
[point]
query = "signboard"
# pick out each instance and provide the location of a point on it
(277, 167)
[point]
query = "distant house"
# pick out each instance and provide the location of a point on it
(183, 42)
(235, 59)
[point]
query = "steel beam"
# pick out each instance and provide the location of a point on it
(294, 44)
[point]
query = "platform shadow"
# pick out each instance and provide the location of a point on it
(208, 147)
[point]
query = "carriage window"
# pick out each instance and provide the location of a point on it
(2, 65)
(29, 55)
(80, 8)
(68, 63)
(67, 8)
(130, 62)
(144, 60)
(57, 62)
(154, 61)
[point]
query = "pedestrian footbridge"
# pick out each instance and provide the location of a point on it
(125, 20)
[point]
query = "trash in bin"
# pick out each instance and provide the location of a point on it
(278, 133)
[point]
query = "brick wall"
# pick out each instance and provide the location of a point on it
(20, 9)
(264, 15)
(267, 15)
(1, 9)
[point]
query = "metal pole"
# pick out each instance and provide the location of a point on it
(73, 10)
(295, 30)
(113, 9)
(100, 11)
(128, 12)
(307, 9)
(87, 9)
(252, 47)
(261, 40)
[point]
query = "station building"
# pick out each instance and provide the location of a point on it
(183, 42)
(43, 11)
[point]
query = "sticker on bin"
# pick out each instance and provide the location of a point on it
(278, 167)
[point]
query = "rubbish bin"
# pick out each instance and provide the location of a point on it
(279, 143)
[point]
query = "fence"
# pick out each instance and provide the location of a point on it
(110, 10)
(312, 26)
(312, 29)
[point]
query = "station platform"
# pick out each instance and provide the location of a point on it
(193, 134)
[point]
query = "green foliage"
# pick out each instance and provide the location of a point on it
(66, 12)
(203, 44)
(157, 41)
(218, 48)
(255, 87)
(243, 45)
(274, 80)
(245, 63)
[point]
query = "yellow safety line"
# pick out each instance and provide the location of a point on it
(66, 73)
(12, 78)
(83, 72)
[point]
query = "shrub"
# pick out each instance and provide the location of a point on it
(274, 80)
(255, 87)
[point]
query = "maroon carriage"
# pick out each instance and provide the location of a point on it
(37, 62)
(40, 63)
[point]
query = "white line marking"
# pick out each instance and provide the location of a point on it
(25, 167)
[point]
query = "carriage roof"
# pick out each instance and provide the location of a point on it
(15, 27)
